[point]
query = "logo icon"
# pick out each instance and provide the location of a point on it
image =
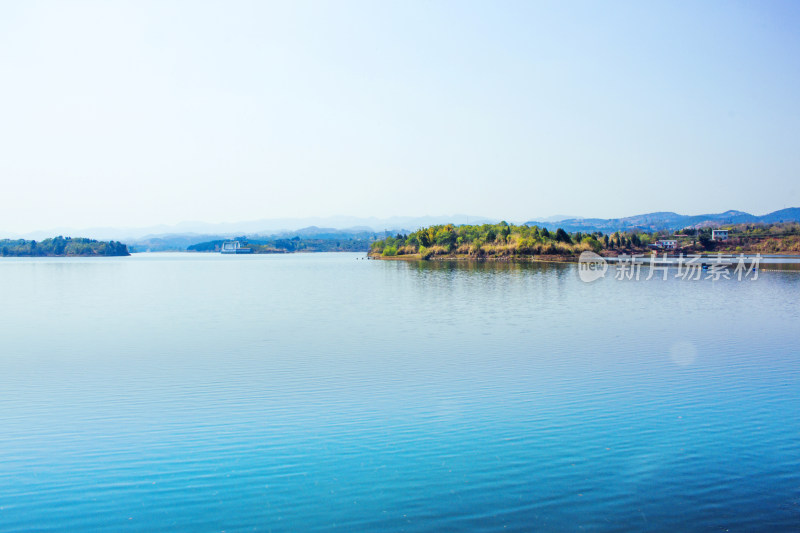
(591, 267)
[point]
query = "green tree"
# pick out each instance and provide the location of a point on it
(423, 238)
(445, 236)
(563, 236)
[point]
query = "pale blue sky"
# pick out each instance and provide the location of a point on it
(138, 113)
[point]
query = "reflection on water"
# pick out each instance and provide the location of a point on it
(314, 392)
(784, 266)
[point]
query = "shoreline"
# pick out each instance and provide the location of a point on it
(562, 258)
(506, 258)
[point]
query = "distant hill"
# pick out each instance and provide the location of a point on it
(312, 238)
(168, 242)
(359, 232)
(666, 220)
(791, 214)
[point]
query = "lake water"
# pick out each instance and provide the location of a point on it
(179, 392)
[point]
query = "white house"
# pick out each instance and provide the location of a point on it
(667, 244)
(719, 235)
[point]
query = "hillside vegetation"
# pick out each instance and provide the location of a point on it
(505, 240)
(61, 246)
(762, 238)
(486, 240)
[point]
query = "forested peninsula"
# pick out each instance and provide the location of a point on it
(61, 247)
(508, 241)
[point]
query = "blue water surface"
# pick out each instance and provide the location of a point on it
(200, 392)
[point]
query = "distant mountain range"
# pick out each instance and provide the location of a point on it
(666, 220)
(185, 234)
(271, 226)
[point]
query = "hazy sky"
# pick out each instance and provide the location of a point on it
(138, 113)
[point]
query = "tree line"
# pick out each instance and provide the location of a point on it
(487, 240)
(504, 239)
(61, 246)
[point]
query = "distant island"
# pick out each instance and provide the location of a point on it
(505, 241)
(61, 247)
(292, 245)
